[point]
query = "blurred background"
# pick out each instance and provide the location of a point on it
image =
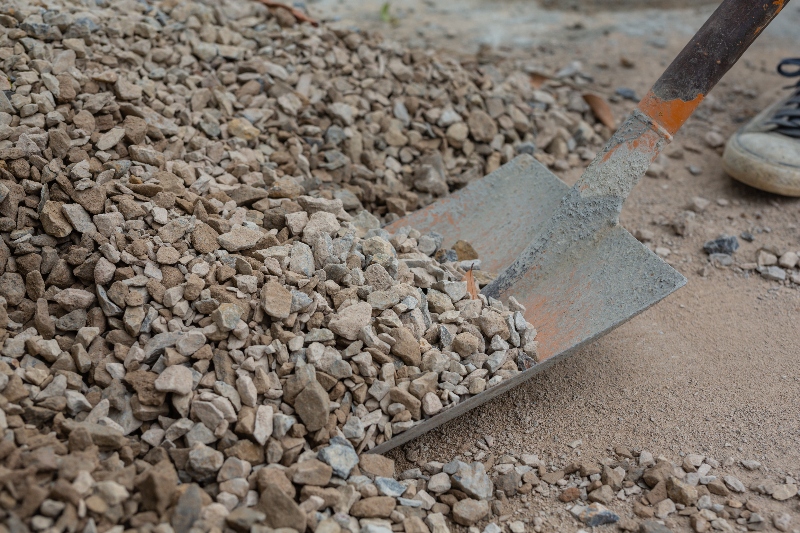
(464, 26)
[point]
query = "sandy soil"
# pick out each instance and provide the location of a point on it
(714, 368)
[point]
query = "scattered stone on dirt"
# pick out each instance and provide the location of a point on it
(724, 244)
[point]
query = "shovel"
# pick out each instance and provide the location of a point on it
(560, 250)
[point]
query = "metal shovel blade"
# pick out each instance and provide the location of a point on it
(596, 286)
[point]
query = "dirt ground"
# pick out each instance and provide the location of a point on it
(713, 369)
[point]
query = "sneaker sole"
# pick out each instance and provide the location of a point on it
(755, 171)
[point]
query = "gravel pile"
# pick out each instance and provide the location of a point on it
(202, 327)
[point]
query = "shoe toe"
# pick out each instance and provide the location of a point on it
(765, 160)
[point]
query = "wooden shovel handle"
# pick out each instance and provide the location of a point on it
(713, 50)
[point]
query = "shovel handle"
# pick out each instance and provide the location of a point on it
(713, 50)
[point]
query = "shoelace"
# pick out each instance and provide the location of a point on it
(787, 118)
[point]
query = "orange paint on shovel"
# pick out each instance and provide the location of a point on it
(669, 114)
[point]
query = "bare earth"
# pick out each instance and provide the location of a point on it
(713, 369)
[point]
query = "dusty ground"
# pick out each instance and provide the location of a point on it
(712, 369)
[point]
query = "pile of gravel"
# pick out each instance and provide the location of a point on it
(202, 325)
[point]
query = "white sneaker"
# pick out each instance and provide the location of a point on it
(765, 153)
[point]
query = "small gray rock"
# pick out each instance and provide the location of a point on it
(340, 455)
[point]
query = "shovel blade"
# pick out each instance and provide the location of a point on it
(598, 285)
